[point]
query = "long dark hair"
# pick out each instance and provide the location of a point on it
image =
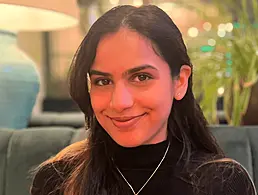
(94, 172)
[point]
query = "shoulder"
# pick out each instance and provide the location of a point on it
(224, 176)
(49, 178)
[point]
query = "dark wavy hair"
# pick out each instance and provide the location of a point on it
(95, 172)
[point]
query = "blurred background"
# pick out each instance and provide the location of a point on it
(221, 39)
(38, 39)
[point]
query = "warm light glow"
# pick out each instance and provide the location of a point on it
(221, 33)
(114, 2)
(137, 3)
(25, 18)
(167, 6)
(222, 27)
(221, 91)
(211, 42)
(256, 52)
(229, 27)
(193, 32)
(207, 26)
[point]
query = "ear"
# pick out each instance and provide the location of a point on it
(181, 83)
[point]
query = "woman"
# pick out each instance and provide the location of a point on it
(132, 78)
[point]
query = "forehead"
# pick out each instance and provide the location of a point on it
(123, 50)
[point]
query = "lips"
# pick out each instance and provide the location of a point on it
(126, 122)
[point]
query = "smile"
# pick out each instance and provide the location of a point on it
(126, 122)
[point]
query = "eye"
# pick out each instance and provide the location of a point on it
(102, 82)
(141, 77)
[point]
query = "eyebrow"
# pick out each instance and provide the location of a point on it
(130, 71)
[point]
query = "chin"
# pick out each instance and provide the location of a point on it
(128, 143)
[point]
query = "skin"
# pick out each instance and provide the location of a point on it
(132, 90)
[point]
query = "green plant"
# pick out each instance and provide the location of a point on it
(231, 64)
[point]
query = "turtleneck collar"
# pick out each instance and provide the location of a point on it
(147, 156)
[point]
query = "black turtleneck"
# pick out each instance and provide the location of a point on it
(137, 164)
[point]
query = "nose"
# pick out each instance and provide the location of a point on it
(121, 99)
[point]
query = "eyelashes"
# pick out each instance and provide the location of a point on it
(139, 78)
(102, 82)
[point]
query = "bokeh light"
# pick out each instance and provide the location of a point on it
(211, 42)
(193, 32)
(221, 33)
(222, 27)
(229, 27)
(221, 91)
(207, 26)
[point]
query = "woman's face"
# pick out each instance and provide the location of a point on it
(131, 89)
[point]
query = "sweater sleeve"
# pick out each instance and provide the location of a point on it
(48, 180)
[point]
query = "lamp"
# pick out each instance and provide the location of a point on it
(19, 77)
(32, 15)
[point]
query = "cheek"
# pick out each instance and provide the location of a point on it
(160, 103)
(162, 92)
(99, 101)
(158, 98)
